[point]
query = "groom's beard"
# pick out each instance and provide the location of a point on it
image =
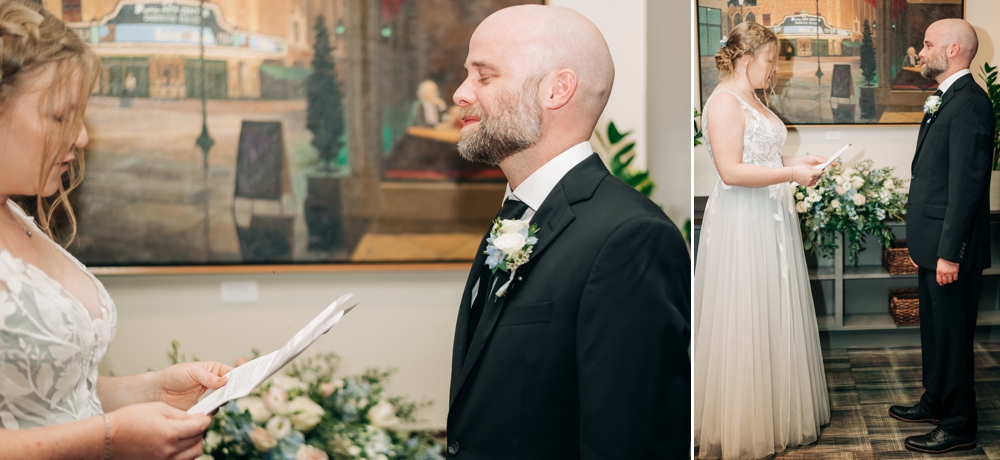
(513, 126)
(936, 65)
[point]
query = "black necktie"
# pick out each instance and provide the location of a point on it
(511, 209)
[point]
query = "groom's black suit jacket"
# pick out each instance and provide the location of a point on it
(586, 356)
(947, 213)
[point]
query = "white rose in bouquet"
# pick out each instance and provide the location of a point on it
(800, 196)
(307, 452)
(859, 200)
(510, 243)
(212, 440)
(383, 415)
(889, 184)
(276, 401)
(287, 383)
(814, 197)
(802, 206)
(258, 410)
(279, 427)
(835, 204)
(263, 440)
(840, 190)
(305, 414)
(858, 182)
(512, 226)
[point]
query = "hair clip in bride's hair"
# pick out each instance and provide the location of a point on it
(723, 41)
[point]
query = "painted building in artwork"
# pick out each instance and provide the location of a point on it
(713, 24)
(152, 48)
(811, 27)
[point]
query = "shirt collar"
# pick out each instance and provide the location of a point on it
(951, 80)
(540, 183)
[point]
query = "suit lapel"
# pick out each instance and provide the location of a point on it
(926, 125)
(459, 352)
(552, 217)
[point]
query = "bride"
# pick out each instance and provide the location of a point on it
(758, 371)
(56, 320)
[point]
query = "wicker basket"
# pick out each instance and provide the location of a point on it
(897, 259)
(904, 306)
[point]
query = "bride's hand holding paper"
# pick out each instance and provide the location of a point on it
(182, 384)
(243, 379)
(805, 174)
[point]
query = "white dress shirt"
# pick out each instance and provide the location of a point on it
(540, 183)
(951, 80)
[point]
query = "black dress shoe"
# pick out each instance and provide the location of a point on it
(939, 442)
(915, 414)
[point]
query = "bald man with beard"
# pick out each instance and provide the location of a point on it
(948, 233)
(581, 351)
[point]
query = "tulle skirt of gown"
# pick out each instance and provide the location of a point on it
(758, 372)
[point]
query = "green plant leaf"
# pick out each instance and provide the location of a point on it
(613, 135)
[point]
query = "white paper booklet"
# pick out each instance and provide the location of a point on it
(243, 379)
(834, 157)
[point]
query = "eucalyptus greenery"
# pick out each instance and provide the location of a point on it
(855, 201)
(306, 412)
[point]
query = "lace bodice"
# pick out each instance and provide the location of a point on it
(51, 348)
(762, 138)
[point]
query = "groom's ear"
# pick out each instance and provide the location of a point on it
(558, 89)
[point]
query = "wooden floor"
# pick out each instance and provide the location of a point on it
(864, 382)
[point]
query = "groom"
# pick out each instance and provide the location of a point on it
(947, 226)
(583, 352)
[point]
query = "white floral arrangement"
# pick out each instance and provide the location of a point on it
(932, 104)
(509, 246)
(855, 201)
(304, 413)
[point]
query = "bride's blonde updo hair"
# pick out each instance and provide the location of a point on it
(34, 44)
(746, 39)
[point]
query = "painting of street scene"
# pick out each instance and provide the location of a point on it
(280, 131)
(839, 61)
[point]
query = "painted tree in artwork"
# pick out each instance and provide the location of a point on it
(325, 111)
(867, 55)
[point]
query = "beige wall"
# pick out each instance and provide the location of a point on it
(885, 145)
(407, 318)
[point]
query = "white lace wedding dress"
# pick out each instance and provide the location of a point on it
(758, 372)
(50, 345)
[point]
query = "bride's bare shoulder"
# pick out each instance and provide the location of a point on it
(723, 104)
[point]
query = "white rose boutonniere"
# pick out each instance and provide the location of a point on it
(508, 247)
(932, 104)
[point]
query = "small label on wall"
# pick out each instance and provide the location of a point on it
(833, 135)
(240, 292)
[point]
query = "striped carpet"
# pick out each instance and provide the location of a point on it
(864, 382)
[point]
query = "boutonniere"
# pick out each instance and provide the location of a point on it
(509, 246)
(932, 104)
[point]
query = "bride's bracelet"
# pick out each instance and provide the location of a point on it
(107, 437)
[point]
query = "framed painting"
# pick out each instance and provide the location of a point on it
(228, 133)
(839, 61)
